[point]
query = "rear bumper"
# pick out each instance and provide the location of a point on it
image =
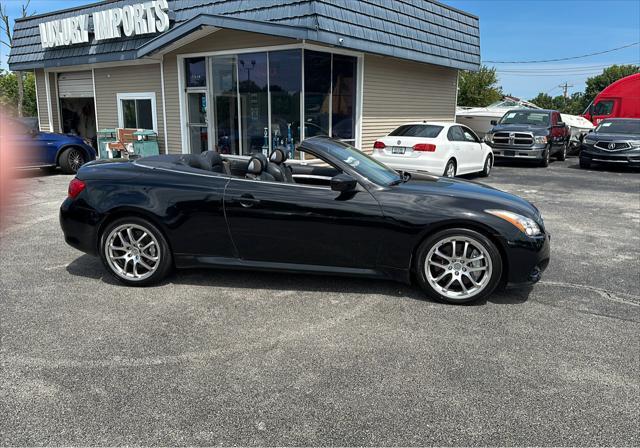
(412, 163)
(80, 226)
(527, 260)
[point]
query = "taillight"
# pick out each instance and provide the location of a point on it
(379, 145)
(75, 187)
(424, 147)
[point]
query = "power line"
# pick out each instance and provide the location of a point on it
(564, 59)
(563, 69)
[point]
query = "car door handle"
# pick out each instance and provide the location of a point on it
(247, 200)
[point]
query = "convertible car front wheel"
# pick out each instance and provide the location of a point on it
(135, 252)
(458, 266)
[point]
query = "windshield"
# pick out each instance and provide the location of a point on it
(619, 127)
(526, 117)
(363, 164)
(417, 130)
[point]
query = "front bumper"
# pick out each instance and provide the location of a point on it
(628, 157)
(534, 152)
(527, 259)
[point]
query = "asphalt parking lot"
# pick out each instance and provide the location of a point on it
(236, 358)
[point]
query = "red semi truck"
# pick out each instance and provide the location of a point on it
(621, 99)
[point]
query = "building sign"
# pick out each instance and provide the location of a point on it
(131, 20)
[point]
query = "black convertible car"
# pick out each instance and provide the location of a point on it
(348, 215)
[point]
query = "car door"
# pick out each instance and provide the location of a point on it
(302, 224)
(473, 150)
(460, 148)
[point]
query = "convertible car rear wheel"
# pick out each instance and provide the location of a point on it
(458, 266)
(135, 252)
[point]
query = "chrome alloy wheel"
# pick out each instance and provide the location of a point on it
(76, 160)
(458, 267)
(451, 170)
(132, 252)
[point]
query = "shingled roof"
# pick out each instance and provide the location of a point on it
(417, 30)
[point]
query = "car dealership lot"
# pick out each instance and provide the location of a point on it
(222, 357)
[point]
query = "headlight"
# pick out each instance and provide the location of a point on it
(488, 138)
(634, 143)
(541, 139)
(526, 225)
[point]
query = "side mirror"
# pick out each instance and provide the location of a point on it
(494, 122)
(343, 183)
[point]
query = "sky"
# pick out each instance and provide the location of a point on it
(520, 30)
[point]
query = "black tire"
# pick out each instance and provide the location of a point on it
(447, 168)
(71, 160)
(488, 163)
(584, 163)
(546, 156)
(434, 240)
(163, 253)
(561, 156)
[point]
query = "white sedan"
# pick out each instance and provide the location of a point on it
(444, 149)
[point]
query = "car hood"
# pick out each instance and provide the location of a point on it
(483, 195)
(617, 137)
(519, 128)
(61, 137)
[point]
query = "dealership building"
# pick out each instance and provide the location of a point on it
(242, 75)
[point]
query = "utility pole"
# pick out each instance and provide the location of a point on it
(565, 88)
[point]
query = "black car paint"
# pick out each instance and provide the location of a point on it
(589, 153)
(216, 220)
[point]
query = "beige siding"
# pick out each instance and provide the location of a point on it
(55, 110)
(43, 109)
(397, 91)
(110, 82)
(217, 41)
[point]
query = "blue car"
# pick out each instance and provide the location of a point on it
(50, 150)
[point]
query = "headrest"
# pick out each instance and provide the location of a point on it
(193, 160)
(257, 163)
(279, 155)
(212, 159)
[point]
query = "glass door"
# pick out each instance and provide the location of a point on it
(198, 122)
(225, 99)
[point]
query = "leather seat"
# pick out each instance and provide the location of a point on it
(277, 167)
(213, 161)
(257, 168)
(193, 161)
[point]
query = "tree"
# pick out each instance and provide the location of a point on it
(609, 75)
(478, 89)
(9, 93)
(5, 24)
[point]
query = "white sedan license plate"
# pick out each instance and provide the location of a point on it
(397, 150)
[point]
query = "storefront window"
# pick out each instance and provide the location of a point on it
(343, 98)
(196, 72)
(285, 79)
(226, 104)
(254, 102)
(317, 98)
